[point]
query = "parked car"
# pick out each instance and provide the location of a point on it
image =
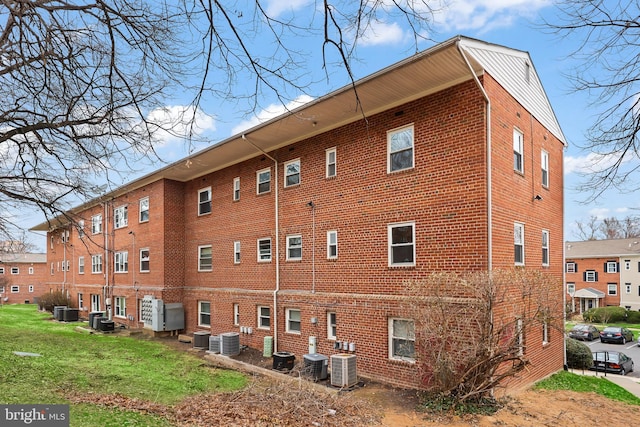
(612, 361)
(584, 332)
(616, 335)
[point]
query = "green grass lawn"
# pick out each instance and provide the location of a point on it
(76, 362)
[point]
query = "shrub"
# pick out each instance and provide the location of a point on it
(605, 315)
(633, 316)
(52, 299)
(578, 355)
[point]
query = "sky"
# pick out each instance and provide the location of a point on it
(511, 23)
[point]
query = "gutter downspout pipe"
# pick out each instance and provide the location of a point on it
(277, 225)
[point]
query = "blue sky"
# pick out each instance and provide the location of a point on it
(512, 23)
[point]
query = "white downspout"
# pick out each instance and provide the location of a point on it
(489, 163)
(277, 249)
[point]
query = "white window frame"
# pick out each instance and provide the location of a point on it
(202, 257)
(331, 168)
(392, 245)
(96, 224)
(121, 262)
(205, 206)
(263, 256)
(31, 269)
(291, 172)
(202, 312)
(627, 288)
(2, 269)
(236, 314)
(612, 289)
(95, 302)
(80, 300)
(145, 258)
(81, 228)
(570, 267)
(545, 333)
(518, 151)
(119, 307)
(236, 189)
(292, 246)
(259, 180)
(627, 264)
(236, 252)
(292, 323)
(15, 289)
(612, 267)
(96, 264)
(31, 288)
(264, 318)
(143, 212)
(15, 270)
(518, 243)
(1, 289)
(81, 265)
(332, 244)
(332, 325)
(544, 166)
(590, 276)
(545, 248)
(391, 151)
(410, 337)
(121, 217)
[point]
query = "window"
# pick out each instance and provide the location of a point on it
(544, 164)
(611, 267)
(204, 201)
(236, 189)
(144, 259)
(264, 250)
(545, 247)
(204, 313)
(121, 262)
(263, 178)
(95, 302)
(52, 269)
(1, 289)
(80, 300)
(1, 270)
(236, 252)
(571, 267)
(120, 217)
(264, 317)
(144, 209)
(15, 270)
(96, 263)
(205, 260)
(81, 265)
(292, 173)
(294, 247)
(401, 339)
(590, 276)
(96, 224)
(236, 314)
(31, 268)
(51, 245)
(627, 264)
(612, 289)
(15, 289)
(400, 149)
(293, 321)
(120, 307)
(627, 288)
(67, 263)
(331, 162)
(518, 243)
(30, 288)
(518, 151)
(402, 250)
(81, 228)
(332, 244)
(545, 333)
(332, 329)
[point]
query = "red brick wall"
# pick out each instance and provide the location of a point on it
(24, 280)
(604, 278)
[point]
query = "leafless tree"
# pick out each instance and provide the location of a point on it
(471, 329)
(608, 228)
(79, 81)
(609, 70)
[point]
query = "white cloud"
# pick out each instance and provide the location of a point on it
(591, 163)
(275, 8)
(484, 15)
(270, 112)
(600, 213)
(382, 33)
(177, 122)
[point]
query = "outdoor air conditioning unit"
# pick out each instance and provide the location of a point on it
(214, 344)
(230, 344)
(343, 370)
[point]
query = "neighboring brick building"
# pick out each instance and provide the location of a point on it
(23, 277)
(603, 272)
(310, 225)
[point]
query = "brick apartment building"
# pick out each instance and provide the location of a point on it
(310, 225)
(603, 273)
(23, 277)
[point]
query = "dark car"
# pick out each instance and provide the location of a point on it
(612, 361)
(584, 332)
(616, 335)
